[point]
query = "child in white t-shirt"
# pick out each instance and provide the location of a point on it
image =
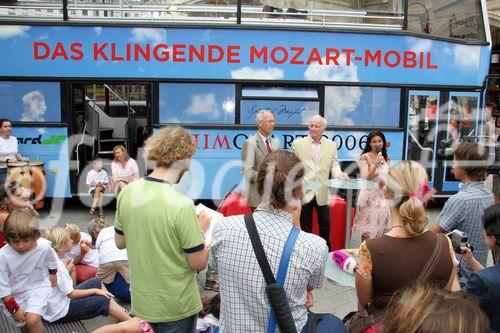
(84, 257)
(87, 300)
(97, 181)
(113, 263)
(28, 268)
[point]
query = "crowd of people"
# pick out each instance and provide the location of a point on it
(156, 247)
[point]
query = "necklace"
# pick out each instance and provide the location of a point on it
(396, 226)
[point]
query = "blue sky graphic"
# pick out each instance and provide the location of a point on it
(458, 64)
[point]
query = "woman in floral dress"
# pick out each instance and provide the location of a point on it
(372, 213)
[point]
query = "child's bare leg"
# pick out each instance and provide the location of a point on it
(129, 326)
(97, 195)
(33, 323)
(117, 311)
(99, 200)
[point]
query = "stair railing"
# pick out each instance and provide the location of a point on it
(78, 148)
(130, 109)
(92, 116)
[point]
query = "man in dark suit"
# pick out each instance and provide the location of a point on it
(255, 149)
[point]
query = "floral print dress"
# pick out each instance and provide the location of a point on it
(373, 214)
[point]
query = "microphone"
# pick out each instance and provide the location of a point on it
(344, 261)
(379, 153)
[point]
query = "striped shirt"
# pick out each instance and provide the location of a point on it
(244, 304)
(464, 211)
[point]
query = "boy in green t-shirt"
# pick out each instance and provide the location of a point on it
(163, 236)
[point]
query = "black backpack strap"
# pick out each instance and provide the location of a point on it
(259, 250)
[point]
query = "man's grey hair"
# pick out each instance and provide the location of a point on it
(260, 115)
(318, 117)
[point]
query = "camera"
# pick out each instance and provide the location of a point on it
(459, 239)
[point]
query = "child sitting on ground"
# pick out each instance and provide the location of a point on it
(87, 300)
(207, 322)
(208, 318)
(97, 181)
(113, 263)
(28, 268)
(85, 258)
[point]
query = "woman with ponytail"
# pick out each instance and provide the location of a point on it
(402, 255)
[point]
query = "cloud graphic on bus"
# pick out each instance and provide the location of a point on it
(145, 35)
(98, 30)
(340, 102)
(173, 120)
(204, 104)
(466, 55)
(309, 110)
(341, 72)
(207, 36)
(419, 44)
(9, 31)
(34, 106)
(228, 105)
(270, 73)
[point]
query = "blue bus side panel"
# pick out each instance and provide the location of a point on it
(216, 165)
(49, 145)
(190, 53)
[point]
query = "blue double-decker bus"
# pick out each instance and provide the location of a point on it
(79, 77)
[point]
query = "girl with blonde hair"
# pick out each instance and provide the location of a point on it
(86, 300)
(425, 308)
(419, 254)
(84, 257)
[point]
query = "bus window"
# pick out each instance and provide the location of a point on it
(120, 98)
(198, 103)
(362, 106)
(457, 19)
(462, 121)
(285, 112)
(423, 117)
(30, 101)
(290, 105)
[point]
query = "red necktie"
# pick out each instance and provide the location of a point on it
(268, 146)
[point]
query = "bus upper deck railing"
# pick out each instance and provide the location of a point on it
(225, 15)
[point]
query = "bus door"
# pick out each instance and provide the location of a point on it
(462, 122)
(421, 133)
(130, 104)
(79, 127)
